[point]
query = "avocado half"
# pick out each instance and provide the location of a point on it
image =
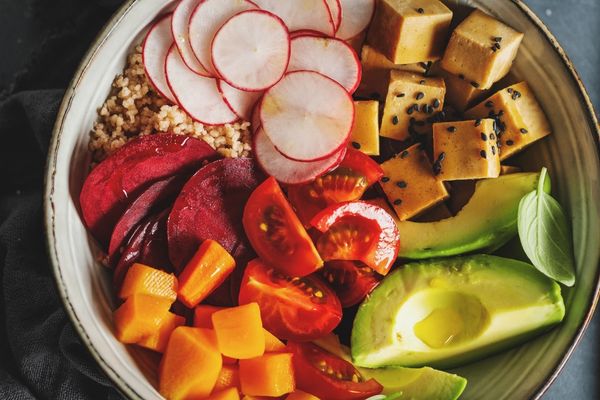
(447, 312)
(485, 223)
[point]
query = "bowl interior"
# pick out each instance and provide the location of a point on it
(571, 154)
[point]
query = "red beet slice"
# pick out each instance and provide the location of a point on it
(155, 249)
(161, 193)
(210, 206)
(117, 181)
(131, 254)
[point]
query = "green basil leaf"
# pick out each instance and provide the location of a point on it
(545, 236)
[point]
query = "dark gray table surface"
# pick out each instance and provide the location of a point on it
(576, 23)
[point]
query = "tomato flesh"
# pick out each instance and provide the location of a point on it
(358, 231)
(352, 281)
(348, 182)
(276, 234)
(327, 376)
(300, 309)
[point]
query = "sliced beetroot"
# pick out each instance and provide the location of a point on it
(118, 180)
(161, 193)
(210, 206)
(131, 253)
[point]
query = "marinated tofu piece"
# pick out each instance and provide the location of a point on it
(410, 31)
(481, 49)
(509, 169)
(464, 150)
(520, 120)
(412, 101)
(409, 183)
(376, 72)
(460, 94)
(365, 132)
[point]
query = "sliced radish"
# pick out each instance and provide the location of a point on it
(306, 32)
(307, 115)
(288, 171)
(154, 52)
(301, 14)
(251, 51)
(255, 119)
(335, 10)
(356, 16)
(241, 102)
(180, 28)
(206, 20)
(331, 57)
(198, 95)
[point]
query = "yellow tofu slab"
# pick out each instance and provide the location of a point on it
(365, 132)
(509, 169)
(460, 94)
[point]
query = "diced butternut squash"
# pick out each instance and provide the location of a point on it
(365, 132)
(272, 344)
(269, 375)
(140, 317)
(227, 394)
(411, 102)
(409, 183)
(229, 377)
(203, 315)
(466, 150)
(410, 31)
(209, 267)
(190, 365)
(239, 331)
(481, 49)
(159, 339)
(141, 279)
(300, 395)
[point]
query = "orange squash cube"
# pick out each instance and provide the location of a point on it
(228, 377)
(190, 365)
(140, 316)
(159, 339)
(207, 270)
(203, 315)
(269, 375)
(272, 344)
(227, 394)
(300, 395)
(142, 279)
(239, 331)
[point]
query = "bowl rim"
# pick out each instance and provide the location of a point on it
(50, 172)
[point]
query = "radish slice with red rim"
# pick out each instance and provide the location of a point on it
(180, 28)
(154, 52)
(356, 16)
(251, 51)
(255, 119)
(331, 57)
(307, 116)
(306, 32)
(335, 10)
(198, 95)
(288, 171)
(241, 102)
(206, 20)
(301, 14)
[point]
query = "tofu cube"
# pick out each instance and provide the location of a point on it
(482, 49)
(376, 72)
(409, 183)
(410, 31)
(460, 94)
(520, 118)
(365, 132)
(464, 150)
(410, 104)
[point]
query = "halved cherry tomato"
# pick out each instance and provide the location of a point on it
(301, 309)
(352, 281)
(358, 231)
(327, 376)
(276, 234)
(348, 182)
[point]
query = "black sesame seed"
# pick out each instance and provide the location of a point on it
(420, 10)
(436, 103)
(483, 154)
(500, 113)
(400, 95)
(395, 120)
(461, 76)
(411, 109)
(385, 179)
(497, 39)
(492, 136)
(497, 46)
(516, 94)
(492, 114)
(475, 85)
(489, 104)
(401, 184)
(524, 131)
(442, 156)
(493, 150)
(404, 154)
(494, 49)
(397, 202)
(420, 95)
(422, 82)
(451, 129)
(510, 90)
(477, 122)
(356, 145)
(484, 136)
(509, 142)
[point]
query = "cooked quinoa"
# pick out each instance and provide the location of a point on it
(134, 108)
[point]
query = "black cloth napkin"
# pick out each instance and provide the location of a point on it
(41, 356)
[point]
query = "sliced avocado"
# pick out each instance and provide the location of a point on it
(447, 312)
(485, 223)
(401, 383)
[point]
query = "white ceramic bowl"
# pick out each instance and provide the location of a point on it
(571, 154)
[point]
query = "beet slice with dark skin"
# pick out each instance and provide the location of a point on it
(210, 206)
(118, 180)
(159, 195)
(131, 253)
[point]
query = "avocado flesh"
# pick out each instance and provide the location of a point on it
(401, 383)
(485, 223)
(447, 312)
